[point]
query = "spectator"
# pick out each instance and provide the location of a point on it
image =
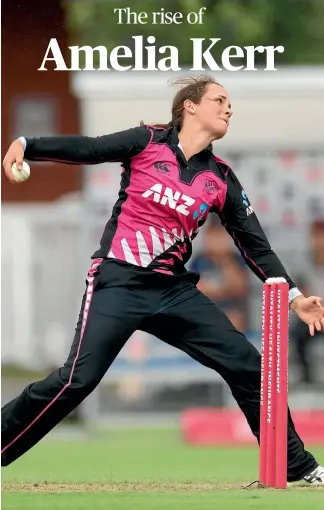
(310, 282)
(223, 273)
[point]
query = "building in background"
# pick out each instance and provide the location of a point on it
(36, 103)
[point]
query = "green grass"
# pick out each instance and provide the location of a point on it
(163, 501)
(142, 469)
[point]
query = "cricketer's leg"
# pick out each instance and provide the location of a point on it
(108, 317)
(191, 322)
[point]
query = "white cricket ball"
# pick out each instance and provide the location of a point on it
(21, 175)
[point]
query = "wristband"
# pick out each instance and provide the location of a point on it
(293, 293)
(23, 142)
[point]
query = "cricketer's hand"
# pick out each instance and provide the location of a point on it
(310, 310)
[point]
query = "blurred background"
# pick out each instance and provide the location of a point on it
(53, 223)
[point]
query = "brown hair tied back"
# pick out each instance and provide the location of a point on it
(192, 88)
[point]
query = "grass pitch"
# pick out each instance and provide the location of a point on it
(143, 469)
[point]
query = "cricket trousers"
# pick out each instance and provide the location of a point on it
(117, 302)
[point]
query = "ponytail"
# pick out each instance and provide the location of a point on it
(161, 126)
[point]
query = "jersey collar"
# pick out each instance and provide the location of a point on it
(176, 142)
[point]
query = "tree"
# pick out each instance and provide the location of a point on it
(295, 24)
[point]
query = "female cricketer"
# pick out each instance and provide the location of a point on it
(170, 182)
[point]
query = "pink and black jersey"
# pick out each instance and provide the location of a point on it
(164, 199)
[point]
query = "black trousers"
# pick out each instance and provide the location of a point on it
(113, 308)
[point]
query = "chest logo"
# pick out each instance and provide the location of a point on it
(173, 199)
(210, 186)
(162, 166)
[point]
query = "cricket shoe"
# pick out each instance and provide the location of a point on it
(315, 477)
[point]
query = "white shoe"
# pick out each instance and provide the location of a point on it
(315, 477)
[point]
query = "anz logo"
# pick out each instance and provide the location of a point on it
(173, 199)
(249, 209)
